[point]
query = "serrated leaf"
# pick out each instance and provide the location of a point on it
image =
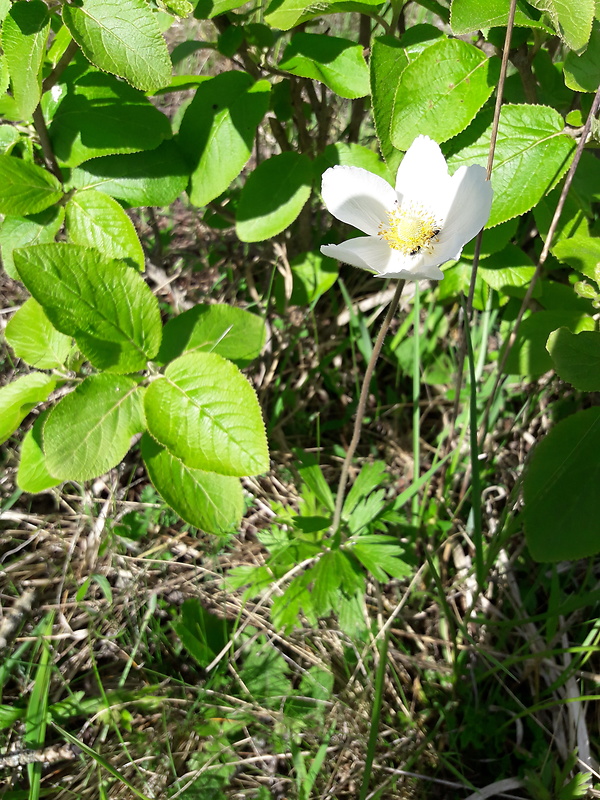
(582, 72)
(230, 332)
(582, 253)
(19, 397)
(24, 36)
(21, 231)
(217, 131)
(213, 503)
(121, 37)
(151, 178)
(100, 115)
(26, 188)
(379, 555)
(467, 16)
(89, 431)
(338, 63)
(532, 155)
(33, 475)
(441, 91)
(528, 355)
(205, 412)
(105, 305)
(571, 20)
(388, 62)
(273, 196)
(34, 339)
(560, 489)
(93, 219)
(576, 358)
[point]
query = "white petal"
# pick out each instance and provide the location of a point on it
(467, 213)
(423, 173)
(413, 268)
(373, 254)
(358, 197)
(365, 252)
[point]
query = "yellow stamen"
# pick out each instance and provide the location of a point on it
(410, 229)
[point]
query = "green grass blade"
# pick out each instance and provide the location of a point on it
(37, 708)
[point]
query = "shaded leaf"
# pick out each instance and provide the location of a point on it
(217, 131)
(273, 196)
(560, 489)
(576, 358)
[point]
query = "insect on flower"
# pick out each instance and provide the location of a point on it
(412, 229)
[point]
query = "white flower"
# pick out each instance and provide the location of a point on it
(412, 229)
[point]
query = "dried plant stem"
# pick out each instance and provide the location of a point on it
(490, 163)
(362, 404)
(543, 256)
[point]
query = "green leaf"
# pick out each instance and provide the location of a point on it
(24, 36)
(33, 475)
(203, 634)
(388, 62)
(508, 269)
(338, 63)
(207, 9)
(532, 155)
(22, 231)
(26, 188)
(467, 16)
(582, 72)
(231, 332)
(100, 115)
(285, 14)
(571, 20)
(441, 91)
(576, 358)
(313, 275)
(352, 155)
(217, 131)
(121, 37)
(379, 555)
(273, 196)
(34, 339)
(151, 178)
(582, 253)
(529, 356)
(213, 503)
(89, 431)
(96, 220)
(9, 135)
(106, 306)
(19, 397)
(263, 674)
(206, 413)
(560, 489)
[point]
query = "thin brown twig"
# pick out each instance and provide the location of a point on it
(543, 255)
(362, 405)
(39, 123)
(493, 138)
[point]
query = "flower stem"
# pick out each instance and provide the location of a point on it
(362, 404)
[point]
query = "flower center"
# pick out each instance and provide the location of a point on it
(410, 228)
